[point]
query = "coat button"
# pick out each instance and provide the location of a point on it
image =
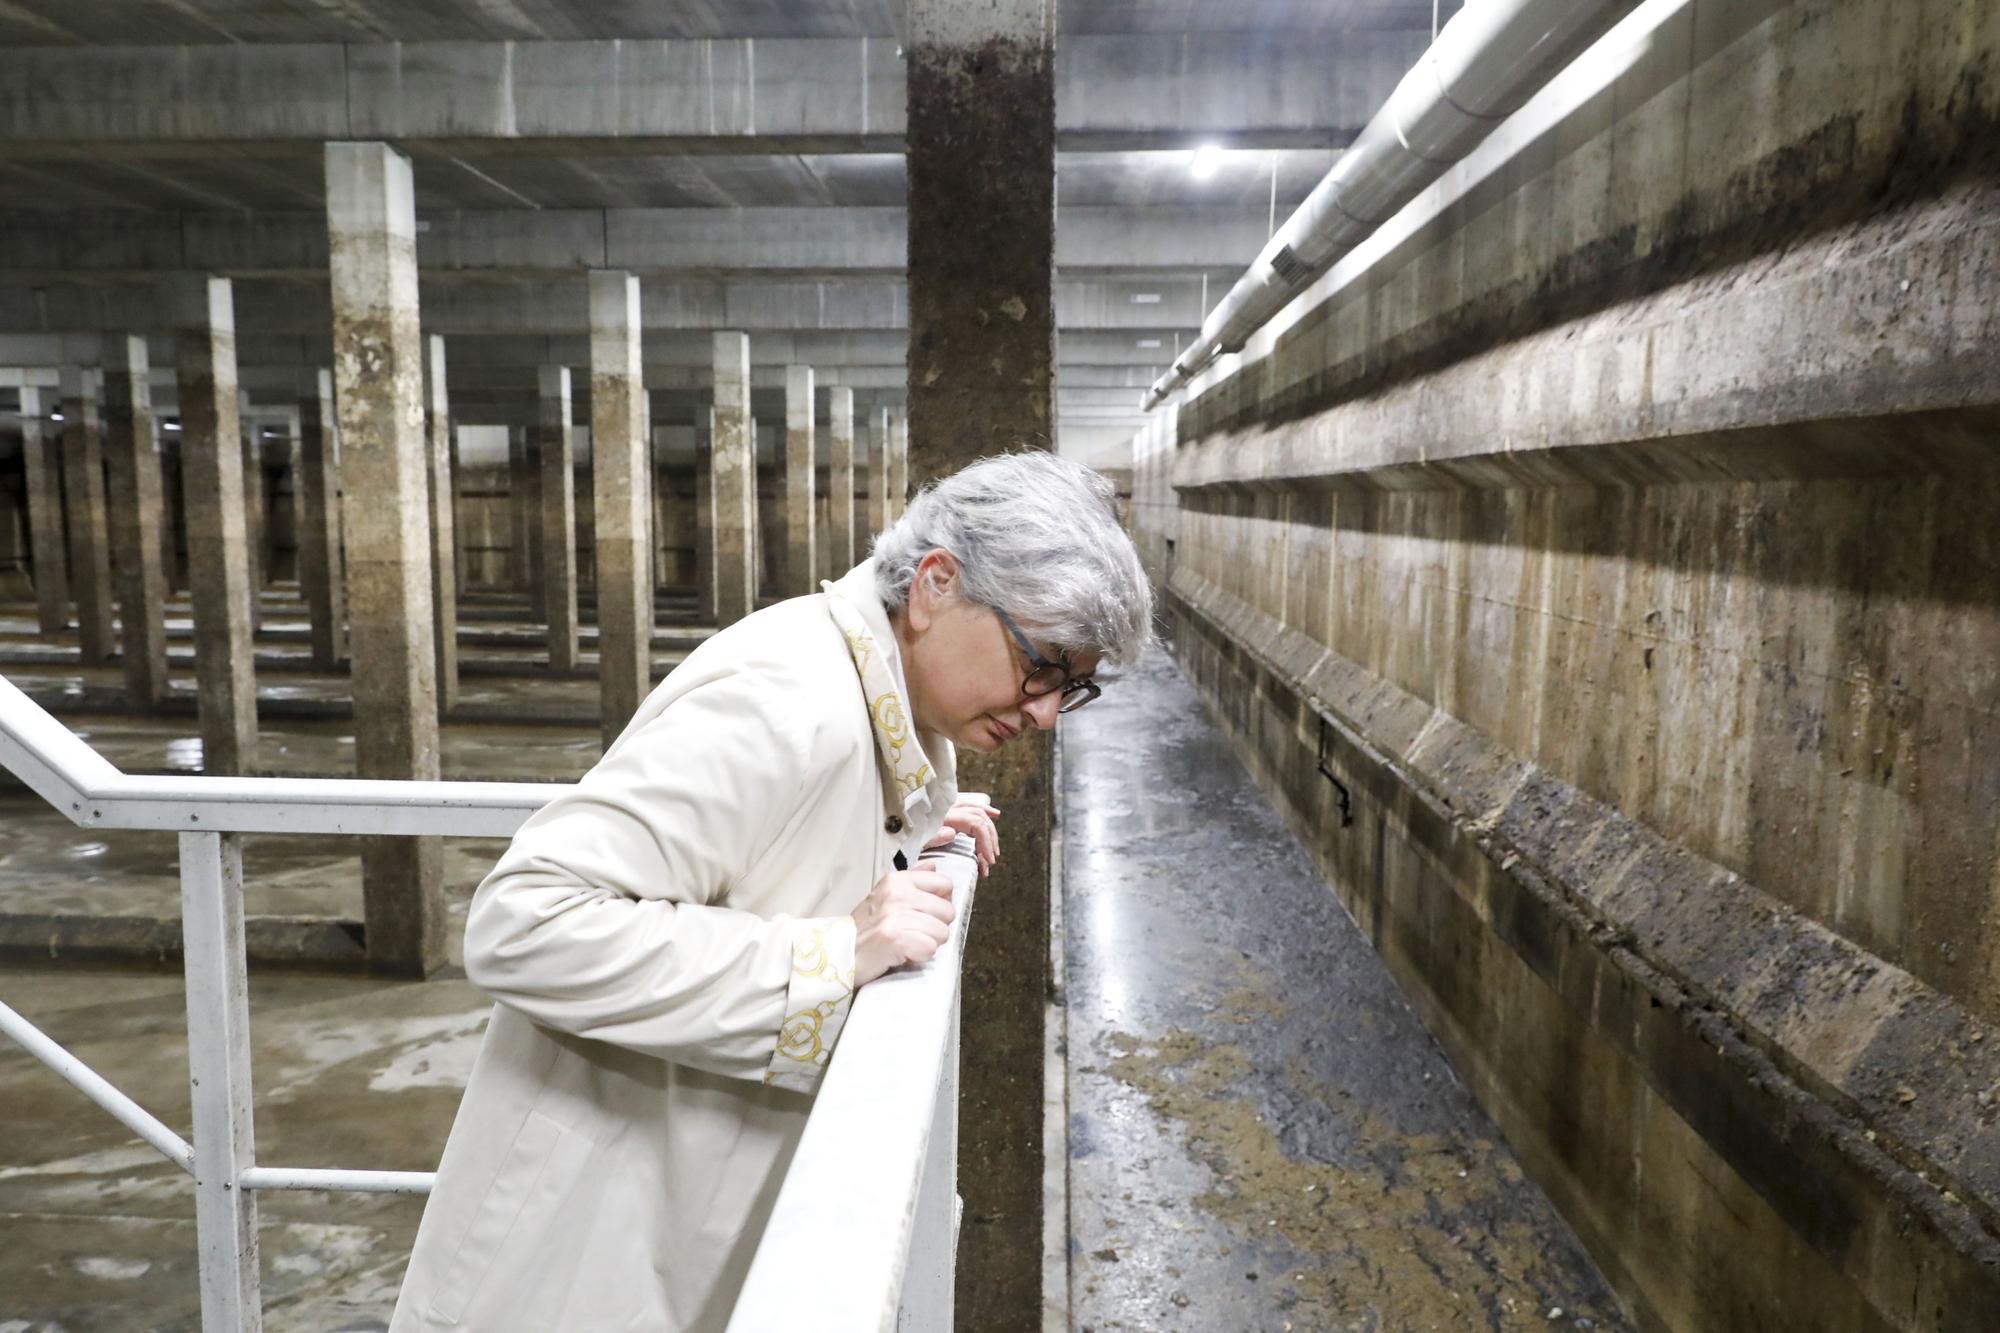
(893, 824)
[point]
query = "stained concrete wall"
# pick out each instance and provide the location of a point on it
(1623, 535)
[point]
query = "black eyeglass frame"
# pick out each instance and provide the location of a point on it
(1069, 685)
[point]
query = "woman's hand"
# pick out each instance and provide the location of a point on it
(972, 814)
(904, 919)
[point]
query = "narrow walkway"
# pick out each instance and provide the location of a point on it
(1262, 1135)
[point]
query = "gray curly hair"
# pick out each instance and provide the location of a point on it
(1038, 537)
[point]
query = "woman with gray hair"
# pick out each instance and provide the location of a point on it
(674, 943)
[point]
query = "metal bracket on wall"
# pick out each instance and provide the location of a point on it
(1346, 798)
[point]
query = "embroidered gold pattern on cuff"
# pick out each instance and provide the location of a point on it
(816, 1002)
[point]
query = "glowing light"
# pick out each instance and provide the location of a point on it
(1205, 161)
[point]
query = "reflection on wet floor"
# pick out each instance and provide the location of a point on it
(1262, 1135)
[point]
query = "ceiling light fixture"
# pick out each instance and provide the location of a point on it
(1204, 162)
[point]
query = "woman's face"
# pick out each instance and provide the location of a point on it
(963, 668)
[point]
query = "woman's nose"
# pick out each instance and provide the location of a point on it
(1042, 709)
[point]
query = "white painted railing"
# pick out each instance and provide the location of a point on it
(867, 1218)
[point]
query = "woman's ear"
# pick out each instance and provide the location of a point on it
(935, 584)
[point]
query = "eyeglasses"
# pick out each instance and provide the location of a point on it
(1046, 677)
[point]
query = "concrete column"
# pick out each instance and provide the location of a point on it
(322, 581)
(899, 464)
(89, 522)
(734, 469)
(135, 519)
(41, 456)
(878, 472)
(760, 574)
(204, 314)
(282, 471)
(620, 461)
(520, 491)
(461, 555)
(801, 566)
(656, 572)
(256, 532)
(172, 561)
(556, 575)
(537, 536)
(980, 151)
(379, 382)
(704, 513)
(840, 478)
(444, 540)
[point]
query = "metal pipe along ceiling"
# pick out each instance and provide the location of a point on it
(1485, 64)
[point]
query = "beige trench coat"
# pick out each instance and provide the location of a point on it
(671, 952)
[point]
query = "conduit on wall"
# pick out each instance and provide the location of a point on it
(1485, 64)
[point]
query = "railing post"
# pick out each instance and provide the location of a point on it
(218, 1018)
(926, 1302)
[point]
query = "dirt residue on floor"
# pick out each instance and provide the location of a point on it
(1399, 1237)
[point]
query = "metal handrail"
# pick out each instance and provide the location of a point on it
(63, 770)
(875, 1233)
(881, 1258)
(210, 814)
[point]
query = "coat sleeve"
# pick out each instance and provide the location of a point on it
(605, 918)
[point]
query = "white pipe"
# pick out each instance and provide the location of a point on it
(312, 1178)
(1486, 62)
(92, 1085)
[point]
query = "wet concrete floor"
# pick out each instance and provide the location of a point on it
(1262, 1136)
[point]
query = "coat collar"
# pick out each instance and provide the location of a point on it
(919, 773)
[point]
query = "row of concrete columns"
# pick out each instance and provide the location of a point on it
(374, 493)
(129, 528)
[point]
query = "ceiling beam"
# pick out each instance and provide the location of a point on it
(777, 95)
(652, 242)
(561, 305)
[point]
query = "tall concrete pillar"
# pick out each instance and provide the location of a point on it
(204, 313)
(461, 561)
(759, 572)
(556, 576)
(840, 478)
(443, 531)
(521, 510)
(734, 468)
(41, 456)
(256, 531)
(801, 551)
(899, 464)
(704, 513)
(89, 522)
(172, 507)
(656, 571)
(135, 519)
(980, 150)
(878, 471)
(322, 580)
(379, 383)
(288, 476)
(620, 460)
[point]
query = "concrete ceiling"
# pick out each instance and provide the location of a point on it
(746, 161)
(179, 22)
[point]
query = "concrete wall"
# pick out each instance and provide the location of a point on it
(1623, 533)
